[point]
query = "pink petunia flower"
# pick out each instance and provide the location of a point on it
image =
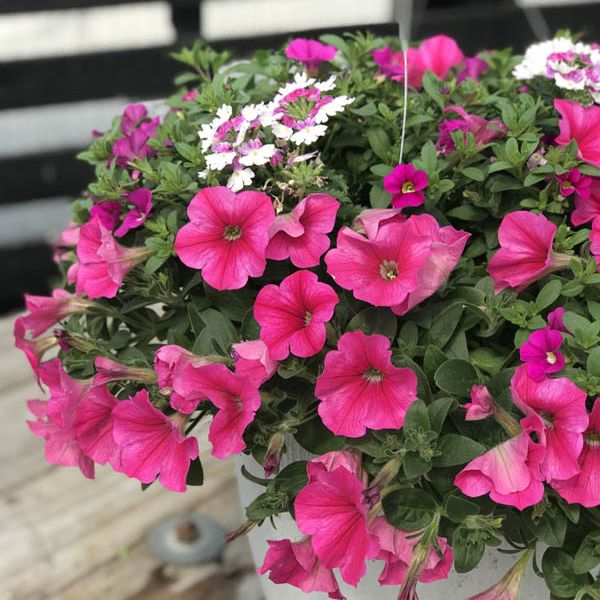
(595, 241)
(555, 320)
(587, 209)
(575, 182)
(93, 425)
(559, 406)
(508, 587)
(103, 263)
(227, 236)
(582, 125)
(584, 488)
(46, 311)
(540, 353)
(447, 246)
(481, 406)
(510, 473)
(253, 361)
(293, 315)
(437, 54)
(370, 220)
(33, 348)
(525, 253)
(382, 271)
(65, 243)
(331, 509)
(190, 95)
(397, 549)
(152, 445)
(360, 388)
(108, 213)
(131, 148)
(296, 563)
(310, 53)
(406, 183)
(301, 235)
(135, 116)
(141, 198)
(351, 460)
(108, 370)
(235, 396)
(484, 131)
(474, 67)
(55, 418)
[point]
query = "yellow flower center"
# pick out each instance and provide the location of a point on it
(408, 187)
(389, 270)
(232, 233)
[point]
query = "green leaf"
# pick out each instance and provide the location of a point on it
(217, 335)
(315, 438)
(551, 527)
(409, 509)
(431, 85)
(195, 475)
(292, 478)
(560, 575)
(468, 549)
(368, 110)
(375, 320)
(417, 417)
(444, 325)
(456, 377)
(473, 173)
(433, 358)
(378, 197)
(593, 362)
(457, 450)
(415, 466)
(438, 410)
(548, 294)
(429, 157)
(379, 142)
(458, 508)
(588, 555)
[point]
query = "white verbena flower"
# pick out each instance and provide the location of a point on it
(240, 179)
(309, 135)
(218, 161)
(257, 154)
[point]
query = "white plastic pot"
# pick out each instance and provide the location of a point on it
(457, 587)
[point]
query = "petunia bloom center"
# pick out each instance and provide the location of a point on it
(307, 318)
(389, 270)
(592, 439)
(232, 233)
(373, 375)
(408, 187)
(551, 358)
(547, 418)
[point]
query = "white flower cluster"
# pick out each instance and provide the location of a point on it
(298, 114)
(572, 65)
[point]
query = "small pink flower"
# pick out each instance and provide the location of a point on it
(310, 53)
(559, 406)
(474, 67)
(406, 183)
(253, 361)
(351, 460)
(235, 396)
(360, 388)
(33, 348)
(525, 253)
(447, 246)
(370, 220)
(108, 213)
(152, 445)
(103, 263)
(555, 320)
(541, 355)
(227, 236)
(108, 370)
(293, 315)
(584, 488)
(131, 148)
(483, 130)
(55, 418)
(190, 95)
(301, 235)
(331, 509)
(382, 271)
(587, 209)
(575, 182)
(141, 198)
(65, 243)
(481, 406)
(595, 240)
(397, 549)
(510, 473)
(391, 65)
(46, 311)
(135, 116)
(93, 425)
(296, 563)
(582, 125)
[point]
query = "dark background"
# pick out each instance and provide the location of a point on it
(148, 73)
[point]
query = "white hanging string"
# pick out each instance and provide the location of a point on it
(404, 18)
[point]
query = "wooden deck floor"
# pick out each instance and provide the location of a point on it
(63, 537)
